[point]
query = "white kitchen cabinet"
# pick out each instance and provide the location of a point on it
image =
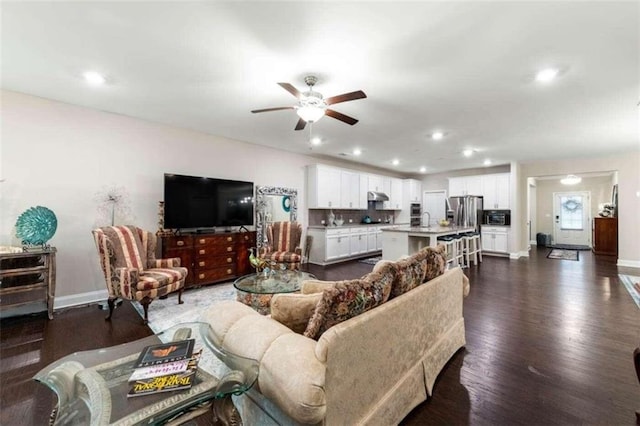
(371, 239)
(465, 185)
(496, 191)
(375, 183)
(495, 239)
(396, 194)
(349, 190)
(362, 197)
(357, 241)
(337, 241)
(411, 191)
(324, 184)
(378, 238)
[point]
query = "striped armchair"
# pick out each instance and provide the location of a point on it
(131, 270)
(283, 244)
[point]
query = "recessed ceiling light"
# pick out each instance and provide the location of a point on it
(467, 152)
(395, 162)
(423, 169)
(546, 75)
(487, 162)
(436, 136)
(94, 78)
(316, 141)
(357, 151)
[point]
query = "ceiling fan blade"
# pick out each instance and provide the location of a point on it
(270, 109)
(301, 124)
(340, 116)
(289, 88)
(345, 97)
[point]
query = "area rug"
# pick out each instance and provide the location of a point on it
(563, 254)
(163, 313)
(371, 260)
(570, 247)
(632, 284)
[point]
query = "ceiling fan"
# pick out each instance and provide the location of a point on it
(312, 106)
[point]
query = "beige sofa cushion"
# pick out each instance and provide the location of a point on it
(294, 310)
(348, 299)
(315, 286)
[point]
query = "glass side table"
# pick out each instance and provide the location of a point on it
(256, 290)
(92, 385)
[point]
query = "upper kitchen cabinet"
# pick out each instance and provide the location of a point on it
(393, 188)
(350, 190)
(411, 191)
(496, 189)
(324, 187)
(465, 185)
(375, 183)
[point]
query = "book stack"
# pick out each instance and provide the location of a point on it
(164, 367)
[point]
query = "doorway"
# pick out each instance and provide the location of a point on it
(571, 216)
(435, 203)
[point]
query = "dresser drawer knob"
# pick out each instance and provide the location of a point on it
(202, 241)
(229, 260)
(228, 271)
(229, 248)
(180, 243)
(202, 251)
(201, 263)
(201, 276)
(229, 239)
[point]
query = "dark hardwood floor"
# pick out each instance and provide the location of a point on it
(548, 342)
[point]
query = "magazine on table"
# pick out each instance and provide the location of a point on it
(164, 353)
(167, 382)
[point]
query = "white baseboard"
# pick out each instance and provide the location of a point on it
(519, 254)
(61, 302)
(629, 263)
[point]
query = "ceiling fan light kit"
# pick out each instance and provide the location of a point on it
(312, 106)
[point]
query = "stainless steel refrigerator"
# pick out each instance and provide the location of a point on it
(466, 211)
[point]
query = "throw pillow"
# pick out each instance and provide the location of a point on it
(315, 286)
(436, 261)
(410, 275)
(348, 299)
(294, 310)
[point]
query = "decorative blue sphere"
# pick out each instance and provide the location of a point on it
(36, 225)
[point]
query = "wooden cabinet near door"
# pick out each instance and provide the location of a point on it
(211, 258)
(605, 236)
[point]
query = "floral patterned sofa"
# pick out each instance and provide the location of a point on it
(364, 351)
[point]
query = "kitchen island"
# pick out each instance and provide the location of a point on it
(398, 241)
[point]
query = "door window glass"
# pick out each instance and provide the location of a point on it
(571, 216)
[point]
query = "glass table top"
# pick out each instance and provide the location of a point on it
(92, 385)
(286, 281)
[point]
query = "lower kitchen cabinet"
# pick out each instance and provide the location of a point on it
(331, 245)
(495, 239)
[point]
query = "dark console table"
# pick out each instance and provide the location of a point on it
(211, 258)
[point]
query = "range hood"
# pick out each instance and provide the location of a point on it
(377, 196)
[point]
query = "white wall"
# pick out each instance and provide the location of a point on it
(59, 156)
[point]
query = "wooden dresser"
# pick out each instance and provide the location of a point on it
(211, 258)
(27, 282)
(605, 235)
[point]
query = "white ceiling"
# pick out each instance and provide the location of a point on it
(466, 68)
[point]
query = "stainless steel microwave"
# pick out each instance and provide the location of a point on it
(497, 217)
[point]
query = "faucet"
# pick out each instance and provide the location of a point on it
(428, 225)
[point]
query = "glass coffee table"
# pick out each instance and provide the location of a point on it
(92, 385)
(256, 290)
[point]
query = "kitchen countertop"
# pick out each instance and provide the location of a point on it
(355, 225)
(428, 230)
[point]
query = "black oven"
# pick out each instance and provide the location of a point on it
(497, 217)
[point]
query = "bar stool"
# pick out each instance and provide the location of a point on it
(472, 248)
(459, 245)
(450, 248)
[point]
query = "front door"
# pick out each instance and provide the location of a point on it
(572, 218)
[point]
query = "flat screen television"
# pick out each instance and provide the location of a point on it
(202, 202)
